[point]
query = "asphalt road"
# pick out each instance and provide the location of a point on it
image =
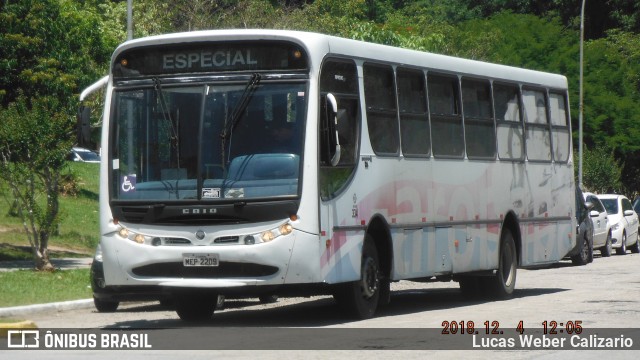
(601, 295)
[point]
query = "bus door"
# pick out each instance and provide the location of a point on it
(339, 128)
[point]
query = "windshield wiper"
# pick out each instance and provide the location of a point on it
(231, 123)
(166, 115)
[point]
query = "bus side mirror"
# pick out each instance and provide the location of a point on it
(332, 127)
(84, 127)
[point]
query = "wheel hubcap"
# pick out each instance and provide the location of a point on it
(370, 280)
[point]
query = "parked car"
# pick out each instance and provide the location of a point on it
(624, 223)
(83, 155)
(582, 253)
(601, 225)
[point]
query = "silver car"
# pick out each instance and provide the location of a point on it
(601, 225)
(624, 223)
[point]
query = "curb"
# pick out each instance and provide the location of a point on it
(4, 328)
(57, 306)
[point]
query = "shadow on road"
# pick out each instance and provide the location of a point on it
(317, 311)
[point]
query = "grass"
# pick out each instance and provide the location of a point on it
(78, 235)
(27, 287)
(79, 231)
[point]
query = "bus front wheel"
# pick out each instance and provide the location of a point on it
(503, 282)
(195, 307)
(105, 305)
(360, 298)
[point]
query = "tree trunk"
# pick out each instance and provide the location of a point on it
(41, 259)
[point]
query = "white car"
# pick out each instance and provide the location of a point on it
(624, 223)
(601, 225)
(83, 155)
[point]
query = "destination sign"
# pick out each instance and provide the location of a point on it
(208, 58)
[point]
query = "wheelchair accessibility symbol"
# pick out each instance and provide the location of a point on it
(128, 183)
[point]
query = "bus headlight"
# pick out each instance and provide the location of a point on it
(270, 235)
(139, 238)
(126, 234)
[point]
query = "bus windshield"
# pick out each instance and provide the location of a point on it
(207, 142)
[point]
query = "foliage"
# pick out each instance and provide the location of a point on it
(78, 229)
(34, 141)
(48, 47)
(601, 172)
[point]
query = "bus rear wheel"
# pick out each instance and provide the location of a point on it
(503, 282)
(359, 299)
(195, 307)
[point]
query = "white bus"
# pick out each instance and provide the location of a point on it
(252, 162)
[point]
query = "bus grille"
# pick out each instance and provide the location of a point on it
(134, 214)
(176, 241)
(227, 240)
(224, 270)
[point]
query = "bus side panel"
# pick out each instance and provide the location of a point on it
(473, 198)
(479, 251)
(340, 260)
(304, 265)
(537, 238)
(422, 252)
(547, 241)
(563, 194)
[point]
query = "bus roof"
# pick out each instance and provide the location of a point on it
(319, 45)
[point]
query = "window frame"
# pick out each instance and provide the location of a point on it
(479, 120)
(411, 114)
(455, 118)
(512, 124)
(556, 128)
(382, 113)
(534, 126)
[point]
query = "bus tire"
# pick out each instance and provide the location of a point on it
(503, 282)
(196, 307)
(359, 299)
(105, 306)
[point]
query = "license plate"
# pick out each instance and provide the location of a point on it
(200, 259)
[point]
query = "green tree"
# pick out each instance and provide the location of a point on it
(49, 47)
(601, 172)
(34, 142)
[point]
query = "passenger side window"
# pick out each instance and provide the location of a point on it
(478, 119)
(414, 120)
(535, 116)
(509, 127)
(559, 127)
(446, 120)
(380, 97)
(340, 78)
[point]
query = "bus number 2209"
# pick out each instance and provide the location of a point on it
(200, 259)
